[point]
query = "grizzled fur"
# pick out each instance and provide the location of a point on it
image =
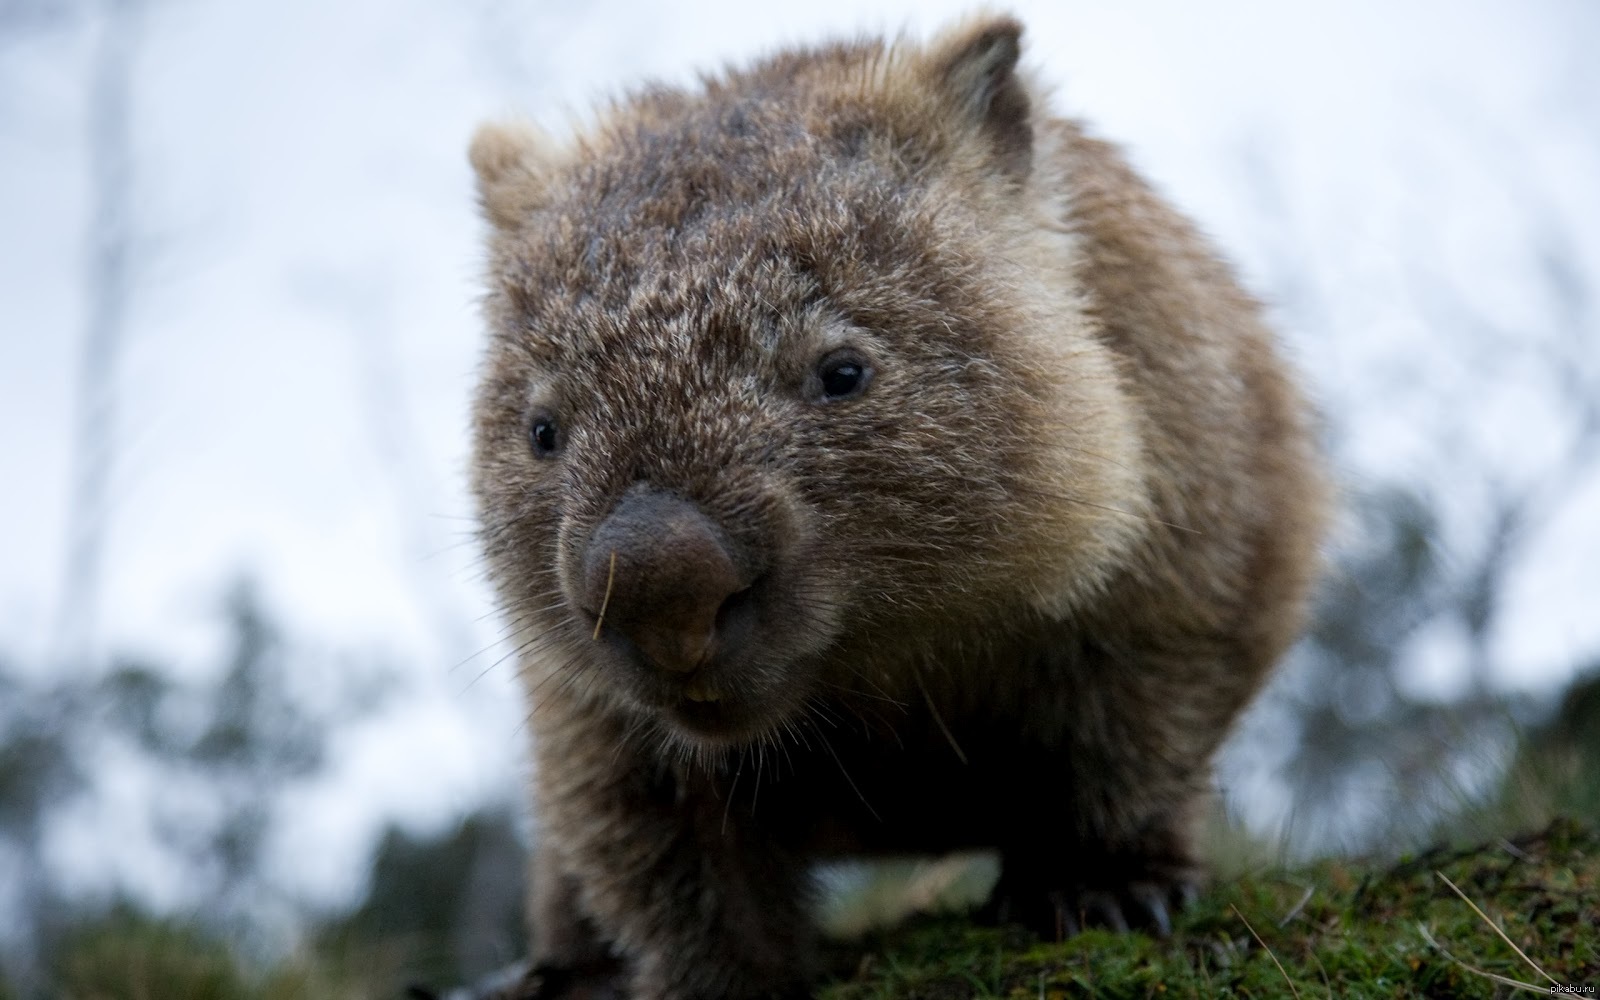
(1012, 594)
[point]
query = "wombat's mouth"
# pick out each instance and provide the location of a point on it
(719, 723)
(700, 692)
(705, 718)
(704, 709)
(721, 688)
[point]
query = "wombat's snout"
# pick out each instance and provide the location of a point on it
(667, 578)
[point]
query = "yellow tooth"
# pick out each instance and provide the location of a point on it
(699, 692)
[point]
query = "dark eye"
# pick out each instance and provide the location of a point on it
(844, 374)
(544, 435)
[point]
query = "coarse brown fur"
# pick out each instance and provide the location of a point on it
(1013, 593)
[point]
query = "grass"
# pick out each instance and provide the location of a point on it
(1525, 916)
(127, 956)
(1492, 920)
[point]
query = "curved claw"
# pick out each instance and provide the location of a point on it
(1147, 905)
(1150, 905)
(1184, 894)
(550, 982)
(1101, 908)
(1066, 915)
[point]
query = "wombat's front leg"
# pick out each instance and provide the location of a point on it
(697, 902)
(1112, 842)
(1076, 883)
(569, 960)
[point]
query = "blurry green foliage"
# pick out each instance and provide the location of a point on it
(452, 904)
(1370, 762)
(123, 956)
(236, 743)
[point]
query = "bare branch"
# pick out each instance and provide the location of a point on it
(108, 289)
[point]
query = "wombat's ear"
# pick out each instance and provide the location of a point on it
(512, 160)
(976, 64)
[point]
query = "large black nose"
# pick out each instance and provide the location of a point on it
(661, 570)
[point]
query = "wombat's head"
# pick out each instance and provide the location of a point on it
(788, 379)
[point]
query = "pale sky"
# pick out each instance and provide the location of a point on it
(303, 336)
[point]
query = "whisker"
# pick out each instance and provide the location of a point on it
(849, 780)
(611, 577)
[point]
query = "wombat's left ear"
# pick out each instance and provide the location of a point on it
(976, 64)
(512, 162)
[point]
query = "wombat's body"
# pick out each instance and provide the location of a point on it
(933, 485)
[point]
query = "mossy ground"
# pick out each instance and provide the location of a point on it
(1338, 929)
(127, 956)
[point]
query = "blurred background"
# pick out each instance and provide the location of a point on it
(250, 682)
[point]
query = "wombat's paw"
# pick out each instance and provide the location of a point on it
(720, 986)
(1146, 904)
(549, 982)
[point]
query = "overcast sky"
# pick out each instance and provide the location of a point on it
(302, 338)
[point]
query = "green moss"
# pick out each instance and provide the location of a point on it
(1338, 929)
(128, 956)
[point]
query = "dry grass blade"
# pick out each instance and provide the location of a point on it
(1281, 970)
(1294, 911)
(1496, 928)
(611, 578)
(1515, 984)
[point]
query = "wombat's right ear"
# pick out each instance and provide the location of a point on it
(976, 64)
(512, 160)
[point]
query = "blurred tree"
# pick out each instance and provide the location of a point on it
(1556, 771)
(39, 769)
(1432, 549)
(255, 742)
(22, 17)
(108, 287)
(229, 750)
(1371, 764)
(452, 903)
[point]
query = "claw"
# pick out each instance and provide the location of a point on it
(1150, 902)
(1184, 895)
(1066, 915)
(1101, 909)
(551, 982)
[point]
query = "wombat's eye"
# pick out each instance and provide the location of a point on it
(844, 374)
(543, 435)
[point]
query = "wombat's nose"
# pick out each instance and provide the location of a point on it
(658, 570)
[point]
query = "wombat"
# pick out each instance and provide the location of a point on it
(867, 462)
